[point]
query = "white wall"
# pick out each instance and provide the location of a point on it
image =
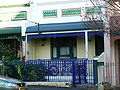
(12, 2)
(38, 6)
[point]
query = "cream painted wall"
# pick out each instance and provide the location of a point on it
(81, 48)
(39, 49)
(91, 48)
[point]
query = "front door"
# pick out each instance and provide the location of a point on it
(63, 47)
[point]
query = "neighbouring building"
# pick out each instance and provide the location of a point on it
(113, 57)
(13, 17)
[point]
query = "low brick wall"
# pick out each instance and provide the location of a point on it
(57, 84)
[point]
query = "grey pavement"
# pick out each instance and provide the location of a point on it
(55, 88)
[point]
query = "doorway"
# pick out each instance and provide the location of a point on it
(117, 61)
(63, 47)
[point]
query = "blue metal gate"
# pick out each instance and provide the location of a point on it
(80, 73)
(77, 71)
(85, 72)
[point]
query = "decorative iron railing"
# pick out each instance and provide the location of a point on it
(77, 71)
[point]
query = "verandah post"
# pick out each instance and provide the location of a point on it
(86, 44)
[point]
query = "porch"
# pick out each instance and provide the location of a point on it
(75, 39)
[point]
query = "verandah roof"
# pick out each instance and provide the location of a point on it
(10, 30)
(70, 26)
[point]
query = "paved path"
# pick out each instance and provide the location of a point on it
(54, 88)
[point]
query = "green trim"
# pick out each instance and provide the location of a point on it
(115, 33)
(116, 22)
(50, 13)
(10, 30)
(16, 16)
(91, 10)
(71, 12)
(95, 71)
(14, 6)
(100, 63)
(7, 38)
(111, 34)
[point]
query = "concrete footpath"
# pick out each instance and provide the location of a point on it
(57, 86)
(64, 86)
(39, 87)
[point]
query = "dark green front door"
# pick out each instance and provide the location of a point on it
(99, 45)
(63, 47)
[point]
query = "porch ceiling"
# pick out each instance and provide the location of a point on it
(81, 34)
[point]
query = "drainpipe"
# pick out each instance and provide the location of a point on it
(38, 28)
(26, 47)
(86, 44)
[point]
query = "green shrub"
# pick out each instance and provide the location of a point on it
(36, 72)
(25, 72)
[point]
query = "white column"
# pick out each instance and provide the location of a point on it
(26, 48)
(21, 51)
(86, 44)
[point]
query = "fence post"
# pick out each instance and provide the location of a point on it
(48, 72)
(95, 72)
(26, 71)
(73, 72)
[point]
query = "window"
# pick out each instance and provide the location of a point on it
(13, 16)
(64, 50)
(22, 15)
(116, 22)
(54, 52)
(61, 49)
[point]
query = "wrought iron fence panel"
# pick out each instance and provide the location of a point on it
(78, 71)
(81, 71)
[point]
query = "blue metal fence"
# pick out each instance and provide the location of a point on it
(77, 71)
